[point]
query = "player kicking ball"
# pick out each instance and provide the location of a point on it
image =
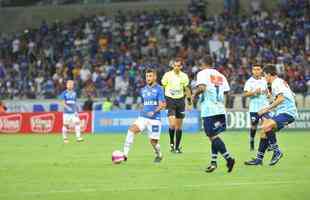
(285, 110)
(70, 114)
(153, 102)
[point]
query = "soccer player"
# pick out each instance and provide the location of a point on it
(175, 83)
(256, 88)
(285, 111)
(70, 114)
(213, 86)
(153, 102)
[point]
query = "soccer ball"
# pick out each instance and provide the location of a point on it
(117, 157)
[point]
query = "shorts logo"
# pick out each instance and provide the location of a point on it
(155, 128)
(217, 124)
(253, 119)
(43, 123)
(10, 123)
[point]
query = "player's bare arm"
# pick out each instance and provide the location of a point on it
(197, 91)
(274, 104)
(252, 93)
(188, 94)
(161, 106)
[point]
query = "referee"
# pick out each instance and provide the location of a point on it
(175, 83)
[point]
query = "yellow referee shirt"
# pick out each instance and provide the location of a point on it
(175, 84)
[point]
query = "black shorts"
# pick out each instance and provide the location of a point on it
(214, 125)
(255, 117)
(176, 107)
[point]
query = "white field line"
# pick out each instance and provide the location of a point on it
(167, 187)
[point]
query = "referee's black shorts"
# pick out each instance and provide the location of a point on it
(176, 107)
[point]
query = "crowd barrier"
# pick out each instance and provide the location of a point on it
(45, 122)
(99, 122)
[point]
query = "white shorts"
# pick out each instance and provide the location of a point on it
(153, 127)
(70, 118)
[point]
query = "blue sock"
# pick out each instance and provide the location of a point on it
(214, 152)
(252, 135)
(263, 145)
(220, 146)
(272, 139)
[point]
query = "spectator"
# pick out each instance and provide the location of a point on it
(2, 107)
(88, 104)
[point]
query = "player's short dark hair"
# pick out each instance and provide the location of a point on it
(270, 69)
(206, 60)
(150, 70)
(257, 65)
(178, 59)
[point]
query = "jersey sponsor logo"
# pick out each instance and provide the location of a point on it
(70, 102)
(174, 92)
(150, 103)
(10, 123)
(43, 123)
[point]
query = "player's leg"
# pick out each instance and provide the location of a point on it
(279, 122)
(171, 120)
(65, 128)
(266, 134)
(154, 130)
(178, 134)
(77, 128)
(254, 122)
(134, 129)
(213, 126)
(179, 116)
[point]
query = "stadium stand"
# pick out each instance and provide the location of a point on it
(106, 55)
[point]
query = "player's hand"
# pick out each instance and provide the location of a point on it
(258, 91)
(150, 114)
(263, 111)
(193, 99)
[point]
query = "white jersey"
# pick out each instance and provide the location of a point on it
(260, 101)
(288, 106)
(213, 98)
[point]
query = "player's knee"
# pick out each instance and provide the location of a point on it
(267, 127)
(135, 129)
(154, 141)
(211, 138)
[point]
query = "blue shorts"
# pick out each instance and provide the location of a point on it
(282, 120)
(255, 117)
(214, 125)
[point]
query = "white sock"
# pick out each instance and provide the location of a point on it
(157, 149)
(64, 132)
(78, 131)
(129, 140)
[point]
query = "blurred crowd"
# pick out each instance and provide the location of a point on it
(106, 55)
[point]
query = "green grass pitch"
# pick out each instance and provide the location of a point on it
(42, 167)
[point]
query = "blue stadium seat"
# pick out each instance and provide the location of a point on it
(98, 107)
(38, 108)
(54, 107)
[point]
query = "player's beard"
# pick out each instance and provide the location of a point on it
(151, 83)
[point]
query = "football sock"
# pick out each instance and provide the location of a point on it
(128, 142)
(263, 145)
(252, 135)
(157, 149)
(273, 141)
(220, 146)
(171, 134)
(214, 152)
(64, 132)
(178, 138)
(78, 131)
